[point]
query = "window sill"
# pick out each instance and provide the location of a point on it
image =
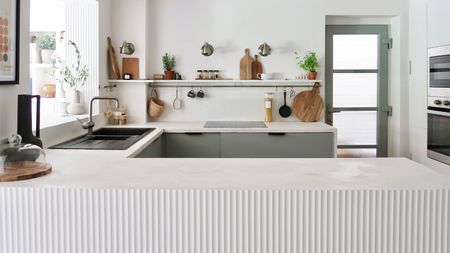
(55, 120)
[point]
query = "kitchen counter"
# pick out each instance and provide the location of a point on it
(104, 201)
(116, 169)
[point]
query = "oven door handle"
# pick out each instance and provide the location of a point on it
(434, 112)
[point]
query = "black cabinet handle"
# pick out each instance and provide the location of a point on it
(193, 133)
(277, 134)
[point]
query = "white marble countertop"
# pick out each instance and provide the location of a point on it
(113, 169)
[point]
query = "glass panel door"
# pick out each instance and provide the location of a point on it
(356, 89)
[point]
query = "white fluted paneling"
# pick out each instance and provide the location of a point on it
(224, 221)
(82, 28)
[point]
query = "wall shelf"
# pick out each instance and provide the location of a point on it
(221, 83)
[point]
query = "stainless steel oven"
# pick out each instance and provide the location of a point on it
(439, 104)
(439, 129)
(439, 71)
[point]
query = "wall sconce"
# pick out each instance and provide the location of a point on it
(207, 49)
(127, 48)
(264, 49)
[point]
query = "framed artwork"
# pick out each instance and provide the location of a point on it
(9, 41)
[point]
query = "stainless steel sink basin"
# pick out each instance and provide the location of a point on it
(106, 139)
(235, 124)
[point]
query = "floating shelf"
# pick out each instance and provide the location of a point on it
(222, 83)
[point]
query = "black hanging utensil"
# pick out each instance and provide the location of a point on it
(285, 111)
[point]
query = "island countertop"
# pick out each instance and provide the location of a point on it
(117, 169)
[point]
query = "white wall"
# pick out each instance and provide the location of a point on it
(418, 82)
(128, 23)
(8, 93)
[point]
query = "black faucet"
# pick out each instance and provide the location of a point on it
(90, 124)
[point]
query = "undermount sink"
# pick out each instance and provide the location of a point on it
(235, 124)
(106, 139)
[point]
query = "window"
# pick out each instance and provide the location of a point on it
(53, 24)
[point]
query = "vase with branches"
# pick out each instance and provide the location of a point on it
(73, 76)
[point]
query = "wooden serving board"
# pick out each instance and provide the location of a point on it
(256, 68)
(131, 66)
(308, 105)
(113, 60)
(246, 66)
(25, 170)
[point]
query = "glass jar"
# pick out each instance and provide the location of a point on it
(268, 107)
(199, 74)
(205, 74)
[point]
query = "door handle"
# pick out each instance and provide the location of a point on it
(387, 109)
(330, 109)
(276, 134)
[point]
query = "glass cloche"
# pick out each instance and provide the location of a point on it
(18, 158)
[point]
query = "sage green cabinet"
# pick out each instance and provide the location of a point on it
(277, 145)
(241, 145)
(192, 145)
(154, 150)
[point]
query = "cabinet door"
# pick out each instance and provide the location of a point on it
(192, 145)
(278, 145)
(438, 22)
(154, 150)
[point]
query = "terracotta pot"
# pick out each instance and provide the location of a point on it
(169, 75)
(312, 75)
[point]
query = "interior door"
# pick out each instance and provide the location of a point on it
(357, 88)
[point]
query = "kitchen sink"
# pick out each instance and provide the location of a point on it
(235, 124)
(106, 139)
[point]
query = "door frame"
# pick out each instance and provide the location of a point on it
(383, 109)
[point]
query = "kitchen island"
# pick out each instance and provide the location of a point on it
(105, 201)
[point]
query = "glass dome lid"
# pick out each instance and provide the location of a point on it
(18, 156)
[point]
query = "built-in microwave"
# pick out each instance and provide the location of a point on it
(439, 104)
(439, 71)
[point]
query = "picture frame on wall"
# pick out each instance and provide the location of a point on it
(9, 41)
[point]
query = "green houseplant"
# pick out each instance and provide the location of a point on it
(47, 44)
(309, 63)
(169, 63)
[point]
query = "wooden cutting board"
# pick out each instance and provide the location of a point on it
(246, 66)
(308, 105)
(113, 60)
(256, 68)
(27, 170)
(131, 66)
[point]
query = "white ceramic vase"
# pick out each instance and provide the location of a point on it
(46, 55)
(75, 107)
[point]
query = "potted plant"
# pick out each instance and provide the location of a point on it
(47, 44)
(74, 76)
(169, 63)
(309, 63)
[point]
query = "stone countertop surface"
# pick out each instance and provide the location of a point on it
(117, 170)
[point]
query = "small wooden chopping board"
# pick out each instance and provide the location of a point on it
(113, 60)
(246, 66)
(308, 105)
(131, 66)
(23, 171)
(256, 68)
